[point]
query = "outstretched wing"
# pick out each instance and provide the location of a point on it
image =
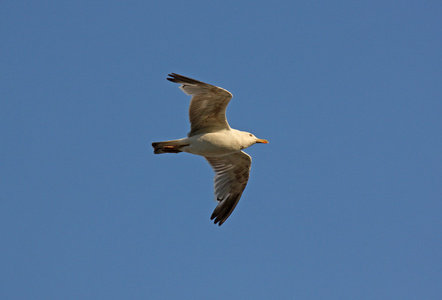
(207, 110)
(231, 176)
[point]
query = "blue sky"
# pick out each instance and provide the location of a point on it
(344, 203)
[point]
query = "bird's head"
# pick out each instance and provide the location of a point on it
(251, 139)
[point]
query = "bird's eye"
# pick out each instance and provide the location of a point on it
(251, 134)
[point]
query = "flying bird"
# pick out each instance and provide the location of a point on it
(210, 136)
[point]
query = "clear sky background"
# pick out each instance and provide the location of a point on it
(344, 203)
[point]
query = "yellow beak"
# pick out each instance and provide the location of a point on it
(262, 141)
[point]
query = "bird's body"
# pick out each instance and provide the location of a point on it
(223, 142)
(211, 137)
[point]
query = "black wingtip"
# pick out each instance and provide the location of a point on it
(217, 221)
(172, 77)
(177, 78)
(219, 216)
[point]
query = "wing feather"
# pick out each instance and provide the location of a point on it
(207, 110)
(231, 177)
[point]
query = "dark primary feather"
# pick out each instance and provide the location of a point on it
(183, 79)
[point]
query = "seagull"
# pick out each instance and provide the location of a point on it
(210, 136)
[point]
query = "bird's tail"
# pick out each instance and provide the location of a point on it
(168, 146)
